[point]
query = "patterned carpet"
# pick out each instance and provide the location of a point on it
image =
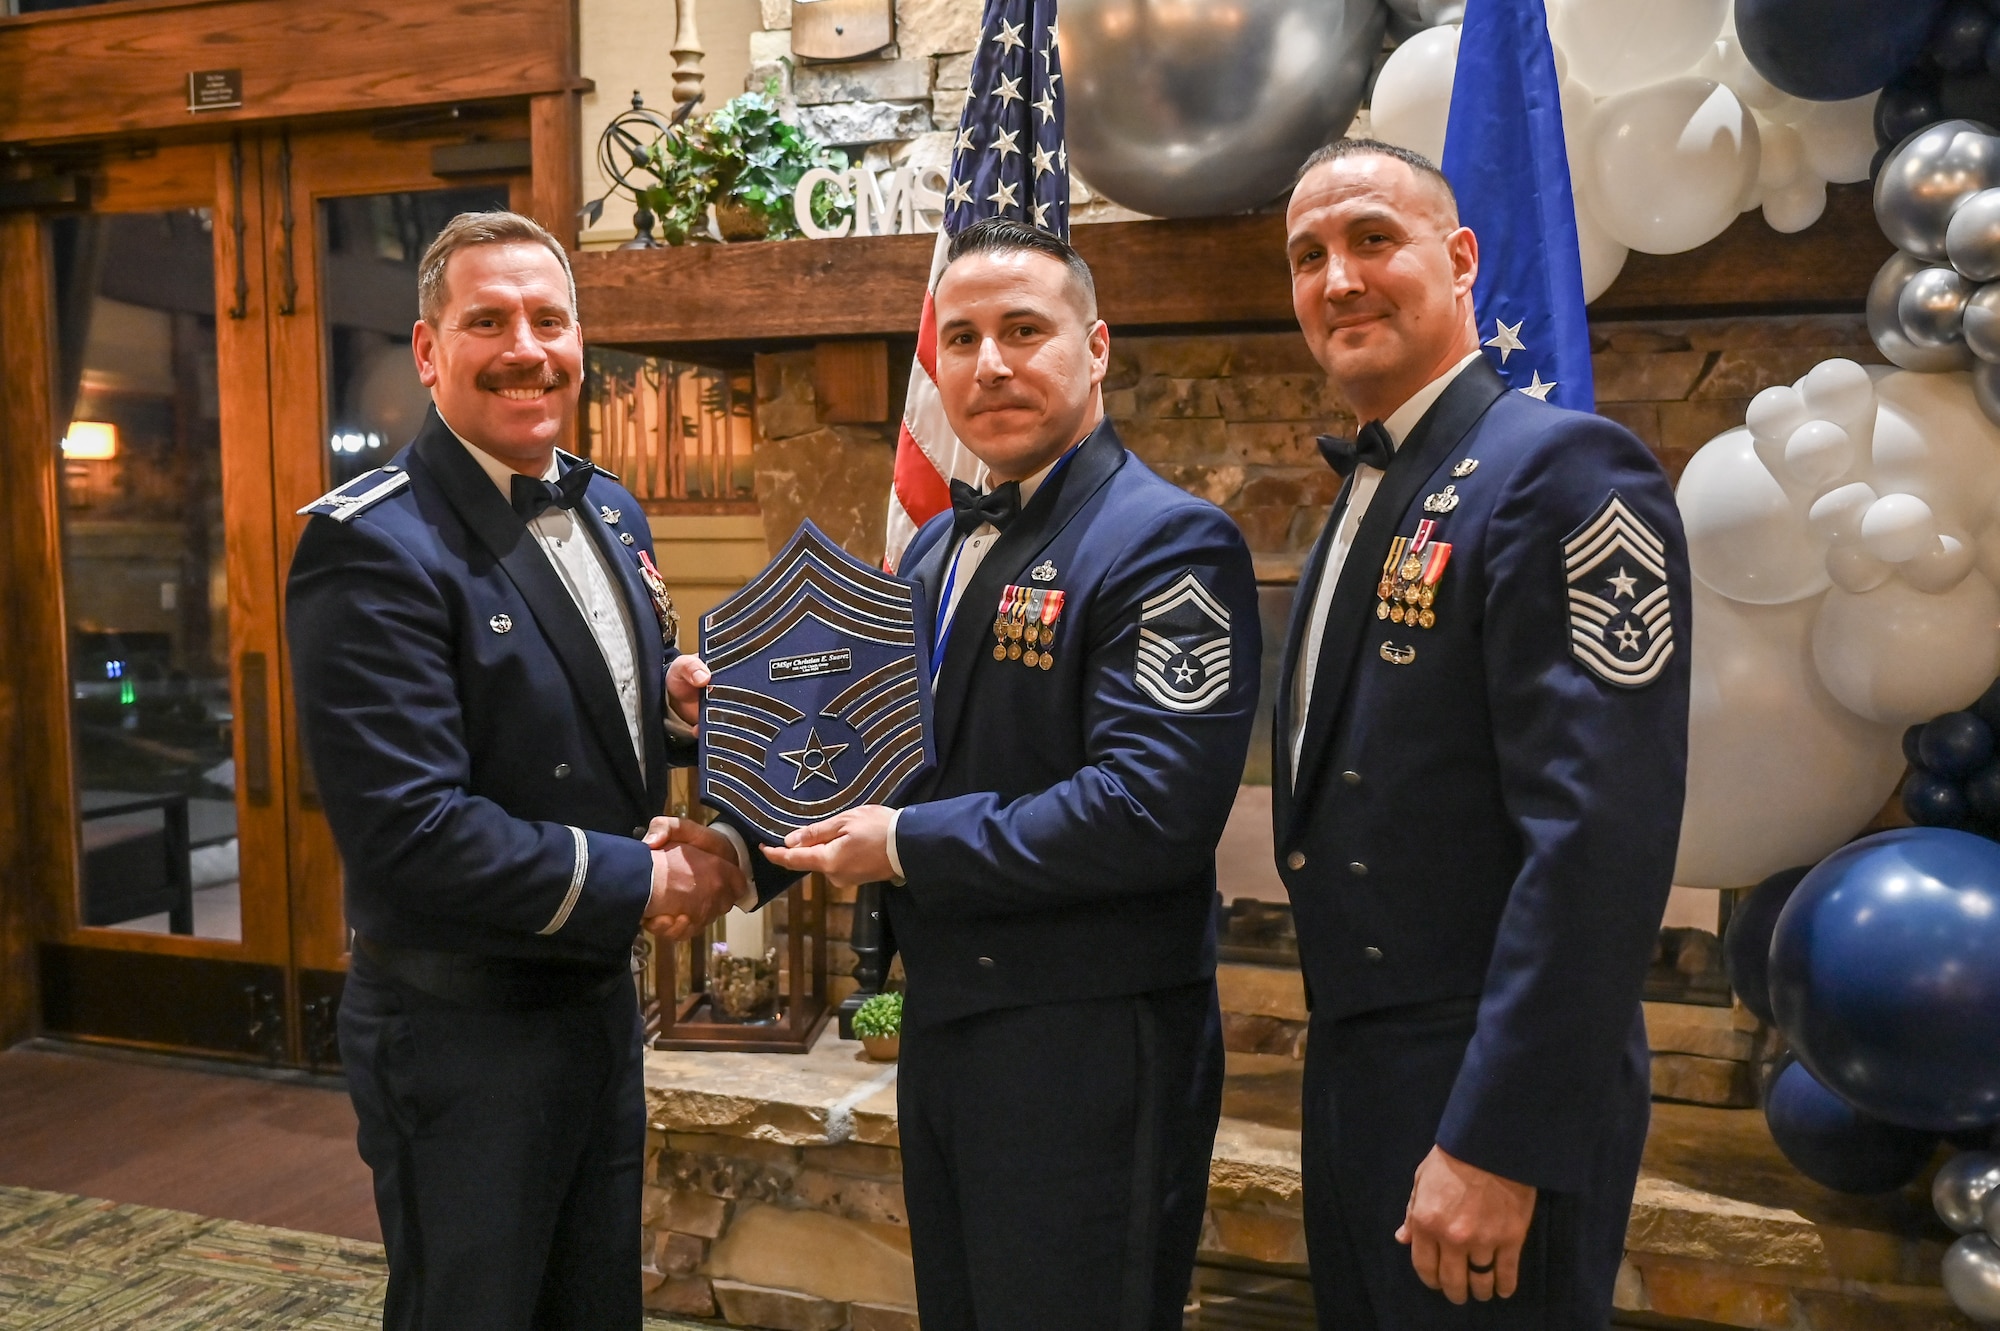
(78, 1264)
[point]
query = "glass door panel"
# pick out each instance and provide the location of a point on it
(147, 597)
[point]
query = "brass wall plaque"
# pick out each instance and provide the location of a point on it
(841, 29)
(215, 89)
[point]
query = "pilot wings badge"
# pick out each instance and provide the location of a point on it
(1184, 647)
(1621, 625)
(817, 704)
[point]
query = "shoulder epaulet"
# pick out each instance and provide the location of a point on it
(358, 495)
(574, 461)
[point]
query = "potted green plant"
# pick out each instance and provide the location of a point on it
(746, 160)
(878, 1024)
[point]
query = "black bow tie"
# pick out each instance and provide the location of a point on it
(972, 509)
(1372, 448)
(531, 494)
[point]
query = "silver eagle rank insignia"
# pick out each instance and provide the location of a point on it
(1184, 647)
(1620, 617)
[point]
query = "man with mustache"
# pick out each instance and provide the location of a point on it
(1095, 666)
(484, 661)
(1481, 747)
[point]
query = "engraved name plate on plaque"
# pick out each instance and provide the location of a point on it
(817, 703)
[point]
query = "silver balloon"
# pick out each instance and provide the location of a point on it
(1885, 324)
(1972, 1277)
(1184, 108)
(1932, 307)
(1989, 1214)
(1972, 237)
(1986, 389)
(1982, 322)
(1959, 1191)
(1933, 171)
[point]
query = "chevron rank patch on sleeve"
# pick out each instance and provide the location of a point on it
(1621, 626)
(370, 487)
(1184, 647)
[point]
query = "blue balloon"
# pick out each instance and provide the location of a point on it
(1955, 744)
(1885, 976)
(1987, 709)
(1933, 801)
(1746, 945)
(1831, 50)
(1835, 1145)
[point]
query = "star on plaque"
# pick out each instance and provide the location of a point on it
(1628, 638)
(1536, 389)
(1622, 584)
(815, 759)
(1507, 340)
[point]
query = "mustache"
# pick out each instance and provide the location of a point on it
(1000, 402)
(547, 377)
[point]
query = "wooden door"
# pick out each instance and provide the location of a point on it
(231, 340)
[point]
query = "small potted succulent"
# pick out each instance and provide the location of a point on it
(878, 1024)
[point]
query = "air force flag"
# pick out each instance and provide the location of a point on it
(1504, 156)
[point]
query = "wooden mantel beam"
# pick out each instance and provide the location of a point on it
(1201, 272)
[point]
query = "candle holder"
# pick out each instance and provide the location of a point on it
(704, 996)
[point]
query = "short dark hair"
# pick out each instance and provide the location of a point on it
(1000, 235)
(1416, 161)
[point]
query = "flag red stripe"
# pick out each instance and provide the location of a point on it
(922, 492)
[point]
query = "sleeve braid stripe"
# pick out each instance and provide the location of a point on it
(576, 877)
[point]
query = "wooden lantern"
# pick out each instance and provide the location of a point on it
(681, 1012)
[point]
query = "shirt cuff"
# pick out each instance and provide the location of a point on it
(895, 860)
(747, 898)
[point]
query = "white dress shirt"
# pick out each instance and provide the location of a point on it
(588, 580)
(962, 565)
(1366, 480)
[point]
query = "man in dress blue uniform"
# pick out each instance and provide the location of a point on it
(481, 652)
(1480, 752)
(1096, 665)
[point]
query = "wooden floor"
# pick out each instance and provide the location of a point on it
(230, 1147)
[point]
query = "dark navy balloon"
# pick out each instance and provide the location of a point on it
(1746, 946)
(1885, 976)
(1958, 42)
(1987, 709)
(1933, 801)
(1955, 744)
(1835, 1145)
(1911, 754)
(1906, 106)
(1982, 792)
(1831, 50)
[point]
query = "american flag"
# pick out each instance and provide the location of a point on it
(1008, 161)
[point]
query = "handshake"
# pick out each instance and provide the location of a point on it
(696, 877)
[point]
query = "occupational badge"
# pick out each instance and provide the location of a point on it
(1408, 590)
(1464, 467)
(817, 704)
(1620, 616)
(1184, 646)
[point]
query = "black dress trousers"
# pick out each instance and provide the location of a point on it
(1376, 1086)
(507, 1148)
(1055, 1161)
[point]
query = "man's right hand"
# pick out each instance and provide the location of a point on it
(696, 878)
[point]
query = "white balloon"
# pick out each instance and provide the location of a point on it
(1836, 515)
(1412, 98)
(1781, 155)
(1603, 258)
(1855, 570)
(1839, 138)
(1838, 390)
(1796, 206)
(1898, 655)
(1897, 527)
(1671, 164)
(1932, 441)
(1986, 554)
(1941, 565)
(1579, 103)
(1614, 45)
(1778, 772)
(1818, 453)
(1774, 413)
(1746, 538)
